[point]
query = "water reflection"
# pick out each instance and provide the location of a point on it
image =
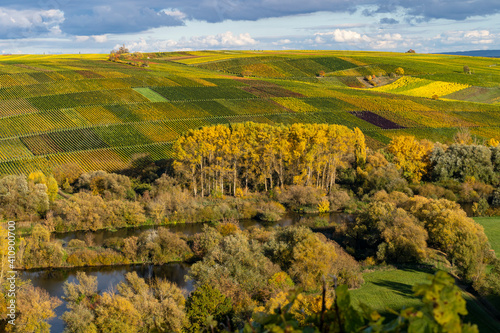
(110, 276)
(107, 278)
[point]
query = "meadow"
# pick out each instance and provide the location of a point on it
(391, 289)
(88, 110)
(491, 227)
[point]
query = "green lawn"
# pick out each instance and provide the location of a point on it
(392, 289)
(492, 229)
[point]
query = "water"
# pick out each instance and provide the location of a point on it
(110, 276)
(107, 279)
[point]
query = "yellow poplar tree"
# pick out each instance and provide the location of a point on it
(50, 182)
(411, 156)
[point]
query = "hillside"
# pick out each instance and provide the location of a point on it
(99, 114)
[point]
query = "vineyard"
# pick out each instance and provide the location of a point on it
(99, 114)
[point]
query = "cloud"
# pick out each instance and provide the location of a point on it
(100, 38)
(387, 20)
(467, 37)
(28, 23)
(97, 17)
(282, 42)
(106, 19)
(357, 40)
(344, 36)
(222, 40)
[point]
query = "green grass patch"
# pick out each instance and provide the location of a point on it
(392, 289)
(491, 227)
(153, 96)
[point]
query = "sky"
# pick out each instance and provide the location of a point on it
(97, 26)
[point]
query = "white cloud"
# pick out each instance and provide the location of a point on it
(100, 38)
(25, 23)
(462, 37)
(222, 40)
(344, 36)
(175, 13)
(477, 34)
(282, 42)
(82, 38)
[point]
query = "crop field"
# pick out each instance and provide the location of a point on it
(84, 109)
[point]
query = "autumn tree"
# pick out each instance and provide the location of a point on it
(207, 301)
(462, 162)
(51, 184)
(411, 156)
(451, 231)
(40, 250)
(35, 308)
(221, 159)
(160, 305)
(389, 233)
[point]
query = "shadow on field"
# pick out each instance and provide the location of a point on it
(399, 288)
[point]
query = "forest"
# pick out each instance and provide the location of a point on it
(406, 200)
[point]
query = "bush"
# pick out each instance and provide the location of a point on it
(76, 243)
(390, 233)
(270, 211)
(207, 301)
(298, 196)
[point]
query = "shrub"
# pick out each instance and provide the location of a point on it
(270, 211)
(298, 196)
(207, 301)
(76, 243)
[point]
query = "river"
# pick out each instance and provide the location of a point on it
(109, 276)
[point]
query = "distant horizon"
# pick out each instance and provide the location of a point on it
(66, 27)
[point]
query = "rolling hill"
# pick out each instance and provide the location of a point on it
(99, 114)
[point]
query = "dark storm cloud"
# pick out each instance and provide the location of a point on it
(93, 17)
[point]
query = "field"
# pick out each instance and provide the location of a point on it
(87, 110)
(392, 289)
(491, 227)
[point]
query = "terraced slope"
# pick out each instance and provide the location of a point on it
(99, 114)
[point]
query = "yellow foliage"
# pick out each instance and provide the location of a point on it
(493, 142)
(38, 177)
(324, 206)
(411, 156)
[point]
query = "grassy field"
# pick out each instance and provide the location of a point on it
(87, 110)
(492, 229)
(392, 289)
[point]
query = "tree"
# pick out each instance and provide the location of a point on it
(462, 162)
(115, 313)
(411, 156)
(35, 307)
(451, 231)
(160, 304)
(40, 251)
(207, 301)
(390, 233)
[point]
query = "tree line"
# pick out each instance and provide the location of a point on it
(226, 159)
